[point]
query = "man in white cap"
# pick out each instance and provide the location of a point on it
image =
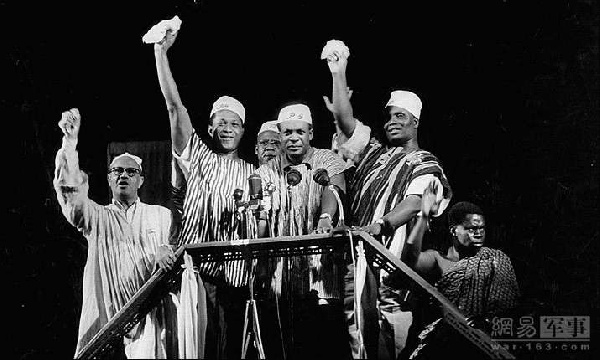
(302, 207)
(268, 142)
(385, 194)
(213, 170)
(123, 239)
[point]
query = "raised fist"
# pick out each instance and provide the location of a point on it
(166, 43)
(337, 62)
(70, 123)
(336, 53)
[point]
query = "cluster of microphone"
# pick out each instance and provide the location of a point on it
(258, 198)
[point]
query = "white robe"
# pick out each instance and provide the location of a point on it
(121, 257)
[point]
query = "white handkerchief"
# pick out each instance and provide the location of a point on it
(159, 31)
(335, 45)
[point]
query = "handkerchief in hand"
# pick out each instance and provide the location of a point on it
(158, 32)
(335, 45)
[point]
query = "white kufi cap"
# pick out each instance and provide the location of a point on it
(231, 104)
(407, 100)
(137, 159)
(268, 126)
(295, 112)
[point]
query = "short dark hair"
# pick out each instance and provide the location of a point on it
(458, 212)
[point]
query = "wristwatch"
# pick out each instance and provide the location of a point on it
(326, 215)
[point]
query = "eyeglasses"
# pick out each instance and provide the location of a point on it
(117, 171)
(269, 142)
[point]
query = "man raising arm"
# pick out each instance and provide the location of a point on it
(123, 239)
(213, 170)
(385, 192)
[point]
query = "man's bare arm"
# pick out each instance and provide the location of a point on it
(67, 170)
(181, 125)
(329, 204)
(342, 108)
(412, 254)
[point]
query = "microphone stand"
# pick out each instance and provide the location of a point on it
(293, 177)
(361, 254)
(251, 324)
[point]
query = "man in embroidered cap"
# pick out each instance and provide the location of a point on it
(294, 123)
(385, 194)
(213, 170)
(123, 239)
(301, 208)
(268, 142)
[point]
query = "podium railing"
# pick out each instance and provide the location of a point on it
(387, 261)
(162, 282)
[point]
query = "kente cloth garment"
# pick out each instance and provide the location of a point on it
(383, 178)
(481, 286)
(122, 245)
(295, 210)
(209, 208)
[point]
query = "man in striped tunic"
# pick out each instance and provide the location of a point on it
(312, 284)
(213, 171)
(386, 194)
(123, 239)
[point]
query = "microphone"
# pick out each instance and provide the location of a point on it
(256, 192)
(321, 177)
(237, 197)
(292, 176)
(255, 184)
(237, 194)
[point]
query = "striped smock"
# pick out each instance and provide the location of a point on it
(122, 246)
(209, 207)
(295, 210)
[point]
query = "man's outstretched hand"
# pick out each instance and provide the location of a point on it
(429, 203)
(165, 257)
(324, 226)
(329, 104)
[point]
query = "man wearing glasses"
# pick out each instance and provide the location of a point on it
(123, 239)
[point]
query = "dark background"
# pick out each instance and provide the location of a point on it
(510, 93)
